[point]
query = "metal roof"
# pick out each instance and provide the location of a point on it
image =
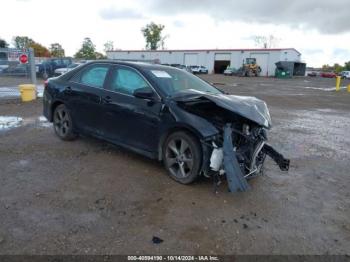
(210, 50)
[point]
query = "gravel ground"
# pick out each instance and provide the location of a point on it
(90, 197)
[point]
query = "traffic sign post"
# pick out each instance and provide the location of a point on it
(32, 65)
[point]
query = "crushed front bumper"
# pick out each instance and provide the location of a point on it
(225, 161)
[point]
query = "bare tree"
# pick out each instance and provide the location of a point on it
(266, 41)
(108, 46)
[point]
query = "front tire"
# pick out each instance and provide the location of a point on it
(63, 124)
(182, 157)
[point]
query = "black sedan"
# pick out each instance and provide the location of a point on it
(164, 113)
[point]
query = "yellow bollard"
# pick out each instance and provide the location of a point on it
(28, 92)
(337, 83)
(349, 88)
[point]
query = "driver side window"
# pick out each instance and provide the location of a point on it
(126, 81)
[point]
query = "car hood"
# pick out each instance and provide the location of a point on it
(246, 106)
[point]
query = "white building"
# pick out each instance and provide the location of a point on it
(216, 60)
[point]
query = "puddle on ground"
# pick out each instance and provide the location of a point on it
(43, 122)
(10, 122)
(323, 88)
(264, 84)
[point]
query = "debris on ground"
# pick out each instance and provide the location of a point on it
(157, 240)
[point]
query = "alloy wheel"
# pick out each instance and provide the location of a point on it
(61, 122)
(179, 158)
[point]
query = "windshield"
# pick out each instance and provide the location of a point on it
(172, 81)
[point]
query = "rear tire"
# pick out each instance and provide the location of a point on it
(63, 124)
(182, 157)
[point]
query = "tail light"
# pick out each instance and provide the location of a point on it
(46, 83)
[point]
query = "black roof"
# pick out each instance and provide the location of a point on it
(140, 66)
(135, 64)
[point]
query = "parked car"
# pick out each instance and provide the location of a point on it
(345, 74)
(3, 65)
(229, 71)
(61, 71)
(47, 68)
(186, 68)
(199, 69)
(183, 67)
(17, 69)
(312, 74)
(328, 74)
(161, 112)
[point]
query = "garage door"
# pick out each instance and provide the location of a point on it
(191, 59)
(222, 56)
(262, 59)
(221, 62)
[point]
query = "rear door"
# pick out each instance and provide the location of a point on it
(84, 95)
(130, 120)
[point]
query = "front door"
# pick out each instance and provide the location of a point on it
(130, 120)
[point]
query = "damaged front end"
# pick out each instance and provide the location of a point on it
(241, 156)
(240, 147)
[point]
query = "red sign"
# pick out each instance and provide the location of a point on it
(23, 59)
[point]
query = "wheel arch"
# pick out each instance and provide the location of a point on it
(53, 107)
(177, 128)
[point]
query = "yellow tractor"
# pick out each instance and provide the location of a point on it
(250, 68)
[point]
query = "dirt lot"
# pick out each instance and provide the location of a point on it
(89, 197)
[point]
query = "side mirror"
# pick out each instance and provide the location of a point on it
(144, 93)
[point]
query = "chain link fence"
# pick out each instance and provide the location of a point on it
(17, 66)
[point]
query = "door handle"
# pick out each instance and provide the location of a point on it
(107, 99)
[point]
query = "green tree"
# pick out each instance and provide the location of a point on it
(337, 68)
(347, 66)
(109, 46)
(3, 43)
(56, 50)
(153, 35)
(326, 67)
(22, 42)
(87, 50)
(40, 50)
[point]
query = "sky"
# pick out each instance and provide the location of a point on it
(319, 29)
